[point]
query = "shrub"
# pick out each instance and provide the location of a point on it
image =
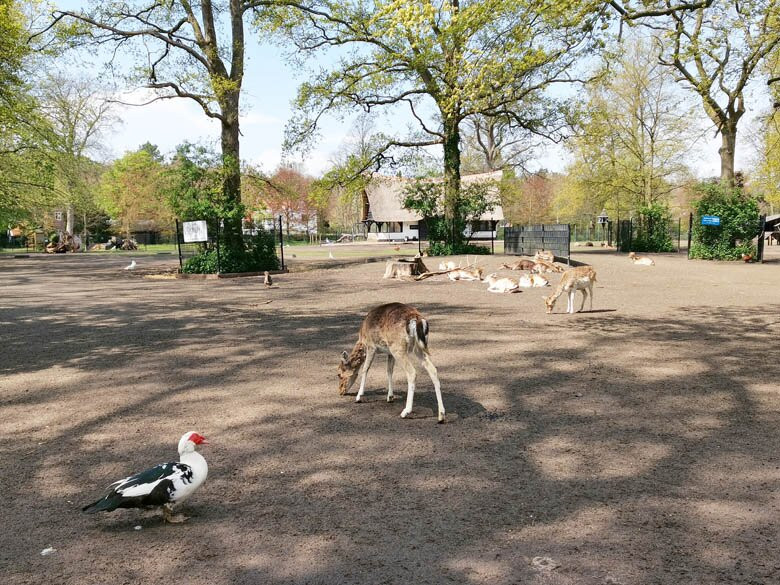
(257, 255)
(739, 223)
(652, 234)
(448, 249)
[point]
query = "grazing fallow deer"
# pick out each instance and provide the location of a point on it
(520, 265)
(501, 285)
(580, 278)
(641, 260)
(401, 332)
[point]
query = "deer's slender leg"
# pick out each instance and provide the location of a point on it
(411, 375)
(431, 369)
(584, 296)
(570, 301)
(390, 365)
(371, 352)
(590, 288)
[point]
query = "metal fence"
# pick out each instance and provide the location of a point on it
(526, 240)
(214, 233)
(632, 235)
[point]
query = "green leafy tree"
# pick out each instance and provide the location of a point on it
(443, 62)
(717, 50)
(631, 137)
(80, 118)
(193, 187)
(26, 173)
(185, 50)
(427, 199)
(132, 189)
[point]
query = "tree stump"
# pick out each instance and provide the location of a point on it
(404, 268)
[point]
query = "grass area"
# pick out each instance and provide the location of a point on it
(142, 249)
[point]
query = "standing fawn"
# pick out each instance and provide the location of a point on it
(401, 332)
(641, 260)
(580, 278)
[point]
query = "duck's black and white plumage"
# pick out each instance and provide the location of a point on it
(163, 485)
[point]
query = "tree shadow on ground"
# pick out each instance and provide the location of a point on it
(631, 449)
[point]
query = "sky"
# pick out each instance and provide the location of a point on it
(270, 85)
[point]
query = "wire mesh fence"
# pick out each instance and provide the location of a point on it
(194, 238)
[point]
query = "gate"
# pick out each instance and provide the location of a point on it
(638, 236)
(526, 240)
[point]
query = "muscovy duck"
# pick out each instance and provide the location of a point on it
(164, 485)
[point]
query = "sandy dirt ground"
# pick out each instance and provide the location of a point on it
(638, 443)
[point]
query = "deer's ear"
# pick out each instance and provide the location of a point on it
(344, 357)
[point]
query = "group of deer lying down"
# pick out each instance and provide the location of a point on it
(401, 331)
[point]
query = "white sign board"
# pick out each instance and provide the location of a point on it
(195, 231)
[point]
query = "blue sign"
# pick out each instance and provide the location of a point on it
(710, 220)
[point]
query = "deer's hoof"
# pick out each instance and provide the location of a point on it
(405, 413)
(441, 417)
(390, 398)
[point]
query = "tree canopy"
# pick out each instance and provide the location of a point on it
(441, 61)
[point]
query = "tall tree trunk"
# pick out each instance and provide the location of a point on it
(69, 219)
(231, 167)
(452, 179)
(728, 134)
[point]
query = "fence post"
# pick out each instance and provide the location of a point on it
(760, 242)
(178, 245)
(690, 233)
(216, 241)
(281, 241)
(679, 233)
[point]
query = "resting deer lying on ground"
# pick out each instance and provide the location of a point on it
(580, 278)
(542, 266)
(501, 285)
(641, 260)
(449, 265)
(545, 255)
(465, 274)
(401, 332)
(532, 280)
(520, 265)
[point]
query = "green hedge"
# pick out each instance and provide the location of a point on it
(652, 230)
(739, 223)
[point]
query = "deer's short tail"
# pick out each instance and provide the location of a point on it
(418, 334)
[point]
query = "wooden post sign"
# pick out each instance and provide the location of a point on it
(195, 231)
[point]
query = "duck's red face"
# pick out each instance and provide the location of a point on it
(198, 439)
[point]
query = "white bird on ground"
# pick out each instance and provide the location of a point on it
(164, 485)
(130, 266)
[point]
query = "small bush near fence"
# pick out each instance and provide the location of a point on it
(738, 223)
(652, 229)
(259, 254)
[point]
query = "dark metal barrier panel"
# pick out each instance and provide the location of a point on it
(760, 241)
(526, 240)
